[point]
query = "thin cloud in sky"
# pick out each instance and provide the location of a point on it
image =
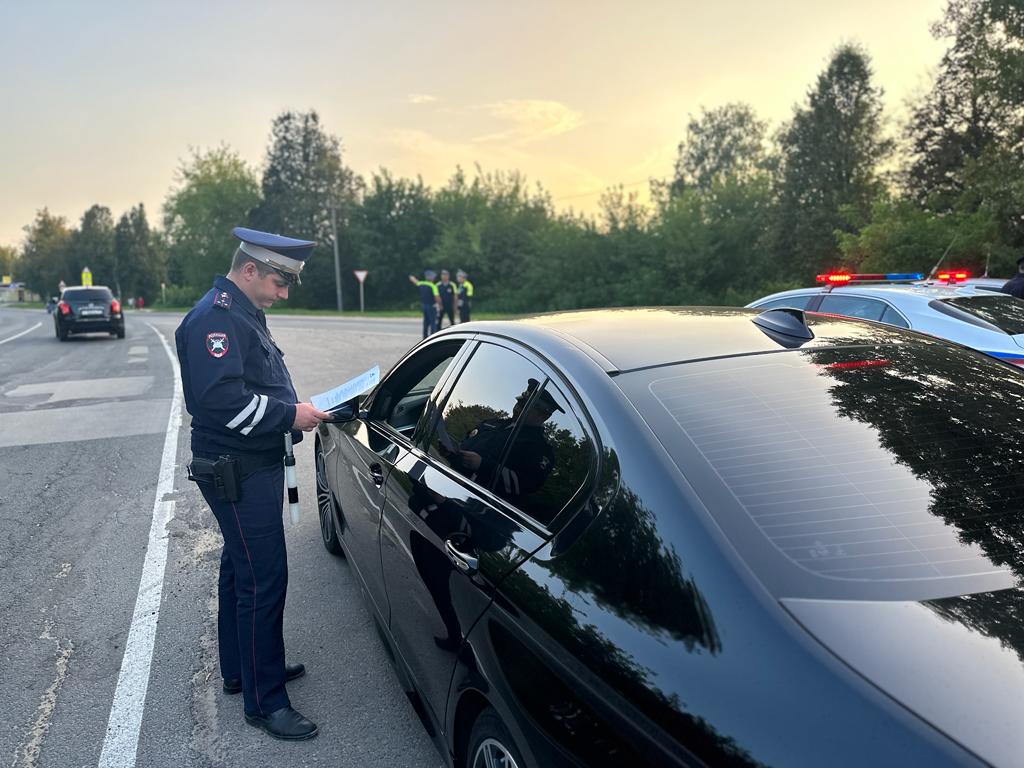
(532, 120)
(421, 98)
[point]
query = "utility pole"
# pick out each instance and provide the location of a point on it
(337, 261)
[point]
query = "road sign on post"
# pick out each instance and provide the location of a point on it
(86, 276)
(360, 276)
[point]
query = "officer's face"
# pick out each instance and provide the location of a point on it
(269, 289)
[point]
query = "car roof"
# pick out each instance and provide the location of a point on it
(86, 288)
(923, 291)
(641, 337)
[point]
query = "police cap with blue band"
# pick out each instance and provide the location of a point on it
(286, 255)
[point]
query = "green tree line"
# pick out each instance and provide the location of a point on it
(744, 211)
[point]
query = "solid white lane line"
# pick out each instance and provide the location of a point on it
(27, 330)
(122, 739)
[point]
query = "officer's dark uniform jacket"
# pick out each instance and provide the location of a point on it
(236, 385)
(447, 291)
(529, 461)
(1015, 286)
(428, 291)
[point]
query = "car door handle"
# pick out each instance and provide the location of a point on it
(465, 562)
(377, 474)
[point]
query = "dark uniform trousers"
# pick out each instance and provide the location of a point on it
(447, 293)
(251, 590)
(430, 319)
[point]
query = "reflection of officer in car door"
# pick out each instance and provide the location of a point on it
(530, 458)
(528, 464)
(242, 402)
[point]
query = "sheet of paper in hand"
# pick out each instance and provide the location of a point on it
(325, 401)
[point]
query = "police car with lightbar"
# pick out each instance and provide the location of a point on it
(953, 306)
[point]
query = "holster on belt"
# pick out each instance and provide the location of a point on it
(223, 472)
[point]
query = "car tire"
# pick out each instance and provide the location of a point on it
(120, 332)
(491, 744)
(62, 333)
(325, 505)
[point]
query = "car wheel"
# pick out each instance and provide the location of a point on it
(120, 332)
(62, 333)
(325, 504)
(490, 745)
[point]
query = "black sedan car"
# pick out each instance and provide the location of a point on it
(87, 309)
(678, 537)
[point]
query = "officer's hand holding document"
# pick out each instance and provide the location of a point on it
(339, 396)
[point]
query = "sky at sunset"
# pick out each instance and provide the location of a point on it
(102, 100)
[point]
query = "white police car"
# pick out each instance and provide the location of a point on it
(969, 311)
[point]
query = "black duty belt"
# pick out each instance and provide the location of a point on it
(227, 472)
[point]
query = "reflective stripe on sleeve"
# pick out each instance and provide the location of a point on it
(259, 414)
(244, 413)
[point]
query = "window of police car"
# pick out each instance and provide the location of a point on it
(1007, 314)
(511, 431)
(863, 307)
(791, 302)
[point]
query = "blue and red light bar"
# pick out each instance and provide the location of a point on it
(842, 278)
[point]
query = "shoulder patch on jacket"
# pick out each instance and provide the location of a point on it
(222, 300)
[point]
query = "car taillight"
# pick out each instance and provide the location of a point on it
(115, 306)
(64, 308)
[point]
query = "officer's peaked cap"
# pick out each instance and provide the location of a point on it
(285, 254)
(429, 274)
(544, 397)
(460, 272)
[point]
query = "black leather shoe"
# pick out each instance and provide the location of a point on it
(233, 685)
(284, 723)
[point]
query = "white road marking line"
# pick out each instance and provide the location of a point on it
(122, 739)
(27, 330)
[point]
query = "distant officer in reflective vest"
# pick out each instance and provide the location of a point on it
(447, 290)
(465, 296)
(1015, 285)
(430, 300)
(242, 402)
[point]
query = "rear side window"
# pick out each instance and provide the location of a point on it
(507, 428)
(88, 294)
(892, 317)
(793, 302)
(853, 306)
(846, 473)
(1004, 312)
(549, 459)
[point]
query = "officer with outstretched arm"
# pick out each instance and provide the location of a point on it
(240, 395)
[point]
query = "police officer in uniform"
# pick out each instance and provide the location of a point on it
(430, 300)
(465, 291)
(447, 290)
(1015, 285)
(242, 402)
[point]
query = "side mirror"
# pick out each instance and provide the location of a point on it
(348, 411)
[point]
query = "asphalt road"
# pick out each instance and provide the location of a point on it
(83, 426)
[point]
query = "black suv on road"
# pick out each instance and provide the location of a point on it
(88, 309)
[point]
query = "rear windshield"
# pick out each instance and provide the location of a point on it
(1005, 312)
(868, 473)
(88, 294)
